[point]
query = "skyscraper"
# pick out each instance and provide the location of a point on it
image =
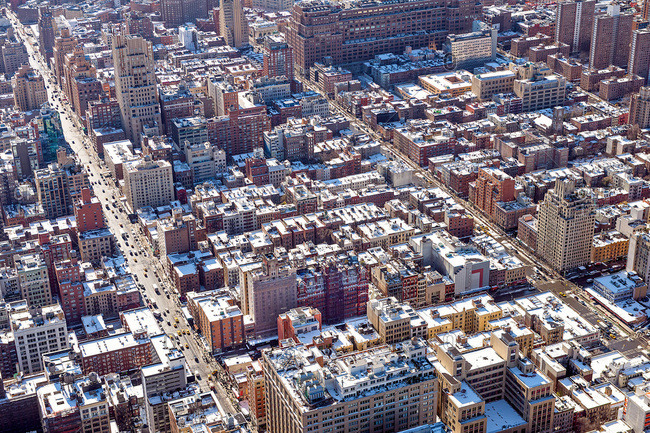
(135, 85)
(610, 39)
(232, 23)
(278, 57)
(566, 226)
(45, 31)
(29, 89)
(640, 108)
(148, 183)
(53, 191)
(639, 63)
(574, 24)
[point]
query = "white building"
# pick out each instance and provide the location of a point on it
(148, 183)
(37, 331)
(33, 280)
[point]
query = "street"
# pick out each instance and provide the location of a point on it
(135, 248)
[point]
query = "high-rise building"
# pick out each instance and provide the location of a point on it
(640, 108)
(53, 191)
(268, 291)
(14, 55)
(356, 31)
(278, 57)
(33, 280)
(29, 89)
(491, 187)
(175, 102)
(574, 24)
(69, 278)
(148, 183)
(88, 212)
(219, 318)
(63, 45)
(306, 391)
(471, 50)
(135, 86)
(36, 331)
(45, 30)
(177, 12)
(232, 23)
(566, 226)
(639, 63)
(610, 38)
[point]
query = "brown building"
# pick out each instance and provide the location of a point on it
(218, 319)
(63, 45)
(29, 89)
(358, 31)
(639, 63)
(88, 212)
(117, 353)
(278, 57)
(574, 24)
(610, 38)
(640, 108)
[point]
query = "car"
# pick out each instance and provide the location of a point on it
(196, 359)
(175, 325)
(169, 323)
(187, 346)
(131, 253)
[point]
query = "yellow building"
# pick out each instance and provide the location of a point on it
(608, 246)
(453, 83)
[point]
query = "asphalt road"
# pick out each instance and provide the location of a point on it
(135, 248)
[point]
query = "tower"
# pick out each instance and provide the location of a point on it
(232, 23)
(639, 62)
(135, 86)
(566, 226)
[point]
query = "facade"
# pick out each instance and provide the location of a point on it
(148, 183)
(37, 331)
(640, 108)
(121, 352)
(324, 29)
(29, 89)
(177, 12)
(46, 31)
(135, 86)
(299, 400)
(565, 228)
(88, 212)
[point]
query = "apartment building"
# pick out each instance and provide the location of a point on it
(135, 86)
(345, 33)
(379, 389)
(36, 331)
(640, 108)
(565, 228)
(33, 279)
(148, 183)
(29, 89)
(218, 319)
(574, 24)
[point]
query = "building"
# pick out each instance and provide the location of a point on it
(639, 62)
(94, 245)
(610, 38)
(33, 280)
(484, 86)
(278, 57)
(218, 319)
(177, 234)
(46, 31)
(148, 183)
(69, 278)
(539, 89)
(299, 399)
(189, 130)
(175, 102)
(273, 5)
(29, 89)
(53, 191)
(565, 226)
(116, 353)
(620, 286)
(323, 29)
(574, 24)
(492, 187)
(471, 50)
(640, 108)
(233, 25)
(177, 12)
(135, 86)
(268, 291)
(80, 406)
(37, 331)
(14, 55)
(88, 212)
